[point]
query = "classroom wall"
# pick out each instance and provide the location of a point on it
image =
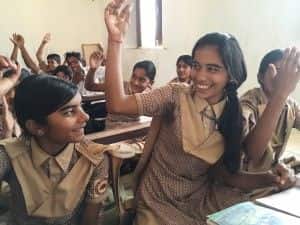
(258, 25)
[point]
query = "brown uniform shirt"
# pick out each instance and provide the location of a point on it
(175, 187)
(253, 104)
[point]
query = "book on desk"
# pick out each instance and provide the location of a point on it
(278, 209)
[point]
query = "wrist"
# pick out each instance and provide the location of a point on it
(278, 98)
(115, 40)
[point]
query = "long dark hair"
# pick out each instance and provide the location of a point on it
(230, 123)
(38, 96)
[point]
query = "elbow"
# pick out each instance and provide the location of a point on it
(253, 158)
(253, 153)
(113, 107)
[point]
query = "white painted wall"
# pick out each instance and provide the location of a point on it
(259, 25)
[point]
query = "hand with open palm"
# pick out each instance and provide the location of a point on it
(116, 15)
(288, 76)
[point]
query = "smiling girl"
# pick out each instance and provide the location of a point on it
(54, 175)
(196, 149)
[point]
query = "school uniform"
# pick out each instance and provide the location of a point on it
(52, 190)
(174, 186)
(253, 104)
(176, 80)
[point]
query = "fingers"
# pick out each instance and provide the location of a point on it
(287, 176)
(125, 13)
(47, 37)
(282, 172)
(12, 65)
(4, 62)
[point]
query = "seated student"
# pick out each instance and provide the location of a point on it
(63, 72)
(54, 175)
(73, 60)
(183, 68)
(198, 140)
(142, 79)
(269, 115)
(53, 60)
(94, 80)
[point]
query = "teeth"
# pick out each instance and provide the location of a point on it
(203, 86)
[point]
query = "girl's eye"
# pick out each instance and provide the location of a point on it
(69, 113)
(213, 69)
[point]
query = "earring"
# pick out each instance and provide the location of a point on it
(40, 133)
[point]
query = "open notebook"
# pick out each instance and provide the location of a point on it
(249, 213)
(278, 209)
(287, 201)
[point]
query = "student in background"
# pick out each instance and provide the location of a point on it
(74, 61)
(269, 112)
(63, 72)
(53, 60)
(142, 79)
(183, 68)
(54, 175)
(198, 140)
(94, 80)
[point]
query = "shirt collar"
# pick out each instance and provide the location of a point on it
(201, 105)
(39, 156)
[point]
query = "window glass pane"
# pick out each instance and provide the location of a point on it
(148, 23)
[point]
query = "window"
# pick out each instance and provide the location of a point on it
(149, 23)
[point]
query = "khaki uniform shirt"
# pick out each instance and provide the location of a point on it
(253, 104)
(52, 190)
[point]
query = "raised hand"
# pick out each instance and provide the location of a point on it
(6, 63)
(288, 75)
(96, 59)
(17, 39)
(46, 38)
(13, 39)
(116, 15)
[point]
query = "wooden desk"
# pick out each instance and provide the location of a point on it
(133, 130)
(93, 97)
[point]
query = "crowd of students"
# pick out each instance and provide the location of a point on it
(207, 148)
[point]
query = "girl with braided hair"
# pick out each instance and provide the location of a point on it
(190, 164)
